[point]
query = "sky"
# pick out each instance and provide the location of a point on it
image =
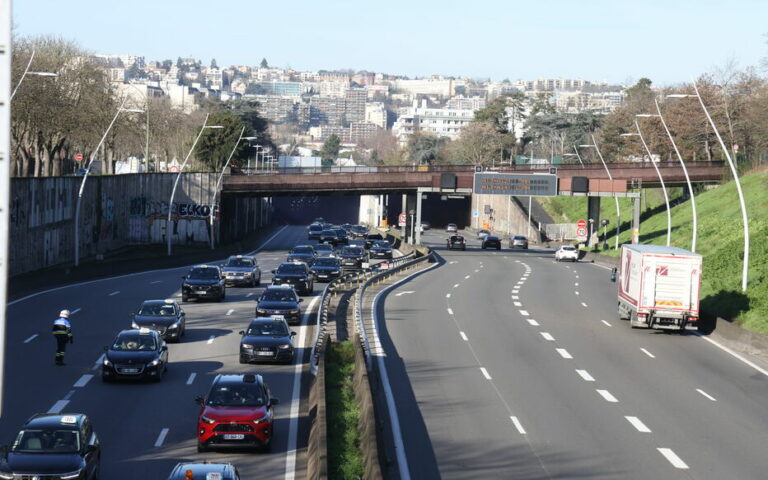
(617, 41)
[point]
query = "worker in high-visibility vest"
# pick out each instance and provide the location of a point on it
(62, 332)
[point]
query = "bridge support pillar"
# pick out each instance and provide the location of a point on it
(417, 227)
(636, 220)
(593, 219)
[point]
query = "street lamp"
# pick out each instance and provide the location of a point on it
(221, 176)
(658, 172)
(575, 155)
(745, 220)
(610, 177)
(146, 143)
(168, 231)
(27, 72)
(88, 171)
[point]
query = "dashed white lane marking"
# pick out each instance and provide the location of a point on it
(564, 353)
(98, 363)
(576, 284)
(606, 323)
(155, 282)
(524, 313)
(116, 292)
(450, 312)
(58, 406)
(451, 263)
(585, 375)
(583, 304)
(447, 295)
(464, 336)
(547, 336)
(68, 396)
(485, 373)
(576, 292)
(517, 304)
(83, 381)
(577, 276)
(210, 339)
(638, 424)
(515, 297)
(31, 338)
(533, 322)
(191, 378)
(518, 425)
(249, 294)
(72, 312)
(706, 394)
(466, 277)
(520, 283)
(161, 437)
(647, 352)
(456, 285)
(230, 312)
(515, 291)
(607, 396)
(477, 271)
(673, 458)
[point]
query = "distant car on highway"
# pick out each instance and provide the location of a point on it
(241, 270)
(53, 446)
(204, 471)
(567, 252)
(135, 355)
(352, 257)
(203, 281)
(267, 339)
(342, 237)
(358, 231)
(380, 249)
(236, 412)
(372, 237)
(296, 275)
(326, 269)
(324, 250)
(456, 241)
(166, 317)
(518, 241)
(329, 236)
(314, 231)
(491, 241)
(279, 300)
(481, 234)
(302, 253)
(425, 225)
(451, 227)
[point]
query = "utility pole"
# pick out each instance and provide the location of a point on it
(5, 168)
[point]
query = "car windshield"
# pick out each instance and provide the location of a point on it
(272, 329)
(491, 238)
(341, 232)
(568, 248)
(135, 342)
(239, 262)
(302, 250)
(161, 309)
(328, 233)
(352, 251)
(456, 238)
(203, 273)
(290, 268)
(519, 237)
(358, 228)
(375, 236)
(245, 395)
(315, 227)
(326, 262)
(281, 295)
(323, 247)
(47, 441)
(381, 244)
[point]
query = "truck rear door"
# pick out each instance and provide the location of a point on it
(672, 277)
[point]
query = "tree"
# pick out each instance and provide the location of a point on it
(213, 63)
(425, 148)
(330, 150)
(479, 143)
(264, 63)
(215, 145)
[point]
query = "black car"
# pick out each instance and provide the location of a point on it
(53, 446)
(302, 253)
(204, 471)
(203, 281)
(314, 230)
(241, 270)
(358, 231)
(329, 236)
(352, 257)
(164, 316)
(491, 241)
(135, 354)
(296, 275)
(456, 241)
(380, 249)
(267, 340)
(279, 300)
(370, 238)
(324, 250)
(342, 238)
(326, 269)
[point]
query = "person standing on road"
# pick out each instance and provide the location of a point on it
(62, 332)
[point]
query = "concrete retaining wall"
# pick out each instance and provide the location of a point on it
(506, 217)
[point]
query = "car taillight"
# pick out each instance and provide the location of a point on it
(642, 315)
(693, 319)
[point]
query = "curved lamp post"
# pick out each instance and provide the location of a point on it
(221, 176)
(85, 177)
(610, 177)
(27, 72)
(146, 109)
(168, 230)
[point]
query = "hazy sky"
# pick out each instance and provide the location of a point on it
(613, 40)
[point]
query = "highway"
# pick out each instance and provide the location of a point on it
(146, 428)
(510, 365)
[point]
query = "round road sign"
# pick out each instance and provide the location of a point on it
(78, 157)
(581, 224)
(581, 232)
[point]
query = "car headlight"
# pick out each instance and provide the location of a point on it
(134, 324)
(247, 274)
(207, 420)
(260, 311)
(68, 476)
(336, 271)
(246, 346)
(107, 363)
(154, 362)
(174, 325)
(263, 419)
(284, 346)
(293, 312)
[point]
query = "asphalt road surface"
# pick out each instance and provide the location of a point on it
(146, 428)
(510, 365)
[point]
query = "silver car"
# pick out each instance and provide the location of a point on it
(451, 227)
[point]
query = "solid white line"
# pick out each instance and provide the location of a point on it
(518, 425)
(161, 437)
(734, 354)
(638, 424)
(155, 282)
(210, 339)
(547, 336)
(647, 352)
(116, 292)
(456, 286)
(607, 396)
(608, 324)
(58, 406)
(31, 338)
(485, 373)
(524, 313)
(673, 458)
(450, 312)
(533, 322)
(564, 353)
(706, 394)
(466, 277)
(83, 380)
(517, 304)
(585, 375)
(230, 312)
(515, 297)
(464, 336)
(447, 295)
(249, 294)
(72, 312)
(191, 378)
(583, 304)
(99, 361)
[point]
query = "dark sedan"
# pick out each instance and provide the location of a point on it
(358, 231)
(352, 257)
(491, 241)
(372, 237)
(342, 237)
(324, 250)
(296, 275)
(166, 317)
(135, 354)
(279, 300)
(314, 231)
(203, 281)
(326, 269)
(380, 249)
(456, 241)
(302, 253)
(329, 236)
(267, 340)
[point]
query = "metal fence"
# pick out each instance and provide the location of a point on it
(560, 231)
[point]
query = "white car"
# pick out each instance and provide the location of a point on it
(567, 252)
(481, 234)
(451, 227)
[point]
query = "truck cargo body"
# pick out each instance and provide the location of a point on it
(659, 287)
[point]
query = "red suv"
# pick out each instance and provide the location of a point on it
(237, 412)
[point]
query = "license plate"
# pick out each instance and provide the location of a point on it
(264, 354)
(323, 276)
(130, 370)
(233, 436)
(200, 292)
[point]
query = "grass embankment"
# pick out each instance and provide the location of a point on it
(720, 240)
(345, 460)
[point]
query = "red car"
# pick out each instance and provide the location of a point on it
(237, 412)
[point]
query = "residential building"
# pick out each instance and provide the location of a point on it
(360, 131)
(332, 89)
(460, 102)
(327, 111)
(437, 85)
(117, 75)
(377, 90)
(333, 76)
(281, 88)
(215, 78)
(443, 122)
(376, 114)
(355, 104)
(276, 108)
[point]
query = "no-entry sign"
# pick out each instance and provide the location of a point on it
(78, 157)
(401, 220)
(581, 224)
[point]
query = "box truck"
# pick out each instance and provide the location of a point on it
(658, 287)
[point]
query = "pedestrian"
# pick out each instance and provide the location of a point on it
(62, 332)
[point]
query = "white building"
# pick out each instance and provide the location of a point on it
(460, 102)
(442, 122)
(428, 86)
(376, 113)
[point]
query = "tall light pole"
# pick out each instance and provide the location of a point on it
(221, 176)
(27, 72)
(168, 230)
(87, 172)
(6, 44)
(146, 109)
(610, 177)
(578, 156)
(575, 155)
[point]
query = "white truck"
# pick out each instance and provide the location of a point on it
(659, 287)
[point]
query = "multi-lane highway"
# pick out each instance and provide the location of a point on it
(146, 428)
(510, 365)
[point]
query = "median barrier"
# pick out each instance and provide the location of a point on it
(317, 446)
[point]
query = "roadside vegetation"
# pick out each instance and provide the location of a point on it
(345, 459)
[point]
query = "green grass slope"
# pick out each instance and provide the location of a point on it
(720, 240)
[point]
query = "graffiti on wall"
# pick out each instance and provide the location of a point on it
(190, 221)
